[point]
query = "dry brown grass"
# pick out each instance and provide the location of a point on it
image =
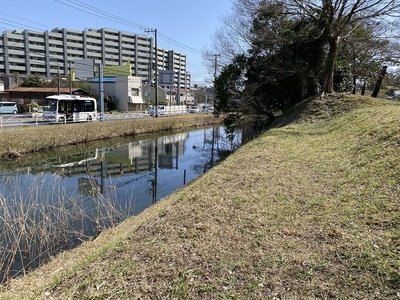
(18, 141)
(306, 211)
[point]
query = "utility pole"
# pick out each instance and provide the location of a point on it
(186, 85)
(101, 91)
(58, 81)
(155, 68)
(70, 78)
(178, 92)
(149, 80)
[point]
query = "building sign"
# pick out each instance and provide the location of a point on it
(84, 68)
(166, 77)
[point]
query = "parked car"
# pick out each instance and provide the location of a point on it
(160, 111)
(8, 108)
(207, 108)
(194, 109)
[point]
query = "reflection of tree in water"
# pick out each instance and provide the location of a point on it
(218, 144)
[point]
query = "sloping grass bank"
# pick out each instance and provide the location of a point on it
(309, 210)
(18, 141)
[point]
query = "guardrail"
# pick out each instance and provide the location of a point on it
(35, 119)
(7, 121)
(19, 120)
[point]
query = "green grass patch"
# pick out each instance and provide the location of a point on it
(309, 210)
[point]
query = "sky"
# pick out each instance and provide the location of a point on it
(185, 26)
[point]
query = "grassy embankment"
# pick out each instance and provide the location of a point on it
(18, 141)
(308, 210)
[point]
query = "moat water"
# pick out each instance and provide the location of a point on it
(53, 201)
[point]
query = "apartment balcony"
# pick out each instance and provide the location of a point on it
(54, 47)
(14, 68)
(38, 69)
(55, 71)
(112, 43)
(143, 61)
(114, 57)
(74, 57)
(95, 48)
(56, 43)
(128, 53)
(75, 45)
(75, 38)
(143, 48)
(36, 39)
(75, 52)
(112, 50)
(55, 37)
(128, 40)
(54, 56)
(94, 55)
(16, 44)
(19, 52)
(37, 47)
(94, 40)
(15, 36)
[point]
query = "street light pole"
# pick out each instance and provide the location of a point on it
(155, 69)
(101, 91)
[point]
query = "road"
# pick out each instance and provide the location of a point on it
(7, 121)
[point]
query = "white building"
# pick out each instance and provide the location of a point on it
(52, 53)
(126, 90)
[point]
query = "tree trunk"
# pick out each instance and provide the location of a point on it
(364, 86)
(354, 91)
(327, 88)
(379, 82)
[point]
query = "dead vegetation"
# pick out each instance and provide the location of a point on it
(15, 142)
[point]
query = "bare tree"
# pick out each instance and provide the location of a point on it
(337, 19)
(335, 22)
(233, 37)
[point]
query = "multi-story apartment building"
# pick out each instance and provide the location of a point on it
(49, 53)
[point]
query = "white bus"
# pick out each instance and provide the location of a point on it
(66, 108)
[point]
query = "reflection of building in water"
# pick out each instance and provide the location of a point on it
(170, 147)
(135, 157)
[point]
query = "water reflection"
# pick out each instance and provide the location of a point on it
(73, 195)
(138, 167)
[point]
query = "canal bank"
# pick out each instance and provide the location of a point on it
(309, 210)
(15, 142)
(68, 196)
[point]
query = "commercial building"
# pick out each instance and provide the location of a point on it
(53, 53)
(124, 89)
(131, 94)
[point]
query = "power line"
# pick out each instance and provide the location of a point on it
(166, 38)
(19, 18)
(95, 12)
(16, 24)
(79, 5)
